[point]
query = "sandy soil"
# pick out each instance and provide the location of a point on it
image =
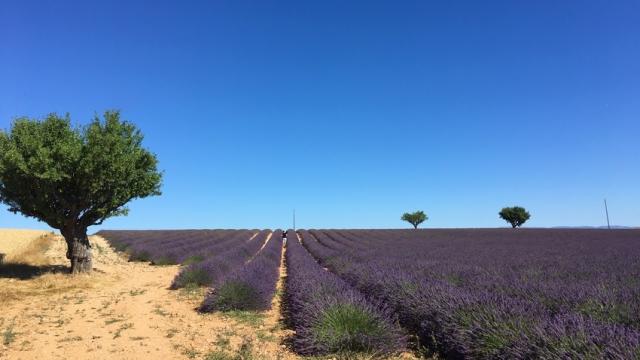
(122, 311)
(13, 240)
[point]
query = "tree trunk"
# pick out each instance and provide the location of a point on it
(78, 250)
(415, 226)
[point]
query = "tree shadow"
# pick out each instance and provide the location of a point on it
(26, 272)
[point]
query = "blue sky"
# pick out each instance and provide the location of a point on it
(350, 112)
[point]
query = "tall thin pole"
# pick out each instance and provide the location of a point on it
(606, 210)
(294, 219)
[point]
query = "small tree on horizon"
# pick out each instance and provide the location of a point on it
(75, 177)
(515, 215)
(415, 218)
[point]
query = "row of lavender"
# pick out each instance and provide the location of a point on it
(213, 269)
(252, 286)
(167, 247)
(499, 293)
(207, 255)
(240, 266)
(328, 315)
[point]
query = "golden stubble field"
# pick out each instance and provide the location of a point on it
(13, 240)
(123, 310)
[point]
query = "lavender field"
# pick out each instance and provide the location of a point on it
(457, 293)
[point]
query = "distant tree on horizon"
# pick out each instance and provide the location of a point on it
(415, 218)
(75, 177)
(515, 215)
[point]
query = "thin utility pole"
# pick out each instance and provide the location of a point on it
(294, 219)
(606, 210)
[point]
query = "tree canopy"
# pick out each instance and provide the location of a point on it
(415, 218)
(516, 215)
(75, 177)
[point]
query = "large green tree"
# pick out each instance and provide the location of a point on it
(75, 177)
(515, 215)
(415, 218)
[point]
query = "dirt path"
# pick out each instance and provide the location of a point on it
(122, 311)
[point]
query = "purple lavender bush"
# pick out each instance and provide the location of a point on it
(251, 287)
(499, 294)
(329, 316)
(213, 269)
(164, 247)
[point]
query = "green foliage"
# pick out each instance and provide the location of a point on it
(119, 246)
(191, 292)
(415, 218)
(195, 277)
(74, 176)
(140, 256)
(8, 335)
(346, 327)
(193, 259)
(245, 352)
(578, 346)
(606, 312)
(234, 295)
(516, 215)
(251, 318)
(164, 261)
(219, 355)
(494, 334)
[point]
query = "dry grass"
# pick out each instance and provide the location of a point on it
(33, 252)
(14, 240)
(32, 263)
(47, 284)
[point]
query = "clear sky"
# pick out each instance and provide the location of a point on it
(350, 112)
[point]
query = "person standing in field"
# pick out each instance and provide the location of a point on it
(284, 238)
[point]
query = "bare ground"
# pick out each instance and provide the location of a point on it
(123, 310)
